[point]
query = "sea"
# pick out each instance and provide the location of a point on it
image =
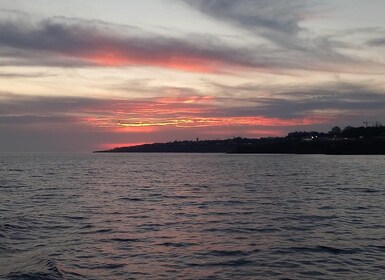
(191, 216)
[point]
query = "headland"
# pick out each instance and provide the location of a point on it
(347, 141)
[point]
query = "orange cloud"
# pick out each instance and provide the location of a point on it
(182, 62)
(185, 99)
(150, 115)
(154, 106)
(148, 125)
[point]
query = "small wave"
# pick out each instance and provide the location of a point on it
(177, 196)
(236, 263)
(101, 266)
(225, 253)
(234, 202)
(232, 230)
(6, 248)
(117, 239)
(327, 207)
(377, 248)
(268, 229)
(32, 276)
(75, 217)
(360, 208)
(109, 266)
(312, 273)
(177, 244)
(318, 249)
(104, 230)
(43, 269)
(131, 199)
(18, 224)
(14, 187)
(368, 190)
(88, 230)
(315, 218)
(87, 226)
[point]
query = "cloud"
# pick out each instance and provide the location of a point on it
(12, 104)
(328, 101)
(88, 123)
(256, 15)
(283, 24)
(17, 75)
(377, 42)
(71, 42)
(131, 114)
(293, 106)
(33, 119)
(278, 20)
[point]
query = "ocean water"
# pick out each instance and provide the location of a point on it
(191, 216)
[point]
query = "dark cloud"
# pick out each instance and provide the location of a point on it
(32, 119)
(278, 15)
(57, 123)
(17, 104)
(64, 42)
(276, 20)
(378, 42)
(16, 75)
(336, 99)
(279, 21)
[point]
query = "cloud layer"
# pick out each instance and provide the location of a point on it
(69, 42)
(256, 15)
(137, 120)
(281, 23)
(292, 107)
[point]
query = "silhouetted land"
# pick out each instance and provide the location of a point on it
(349, 141)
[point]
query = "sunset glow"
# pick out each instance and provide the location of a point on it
(226, 121)
(73, 79)
(188, 64)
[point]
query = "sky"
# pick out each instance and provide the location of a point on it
(84, 75)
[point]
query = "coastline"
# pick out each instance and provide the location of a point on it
(350, 141)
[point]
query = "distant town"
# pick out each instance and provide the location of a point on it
(364, 140)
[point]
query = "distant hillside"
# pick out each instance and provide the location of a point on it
(349, 141)
(206, 146)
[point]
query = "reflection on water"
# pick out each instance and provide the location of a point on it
(191, 216)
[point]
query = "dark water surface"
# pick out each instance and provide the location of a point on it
(192, 216)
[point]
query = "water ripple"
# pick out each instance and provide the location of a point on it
(196, 216)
